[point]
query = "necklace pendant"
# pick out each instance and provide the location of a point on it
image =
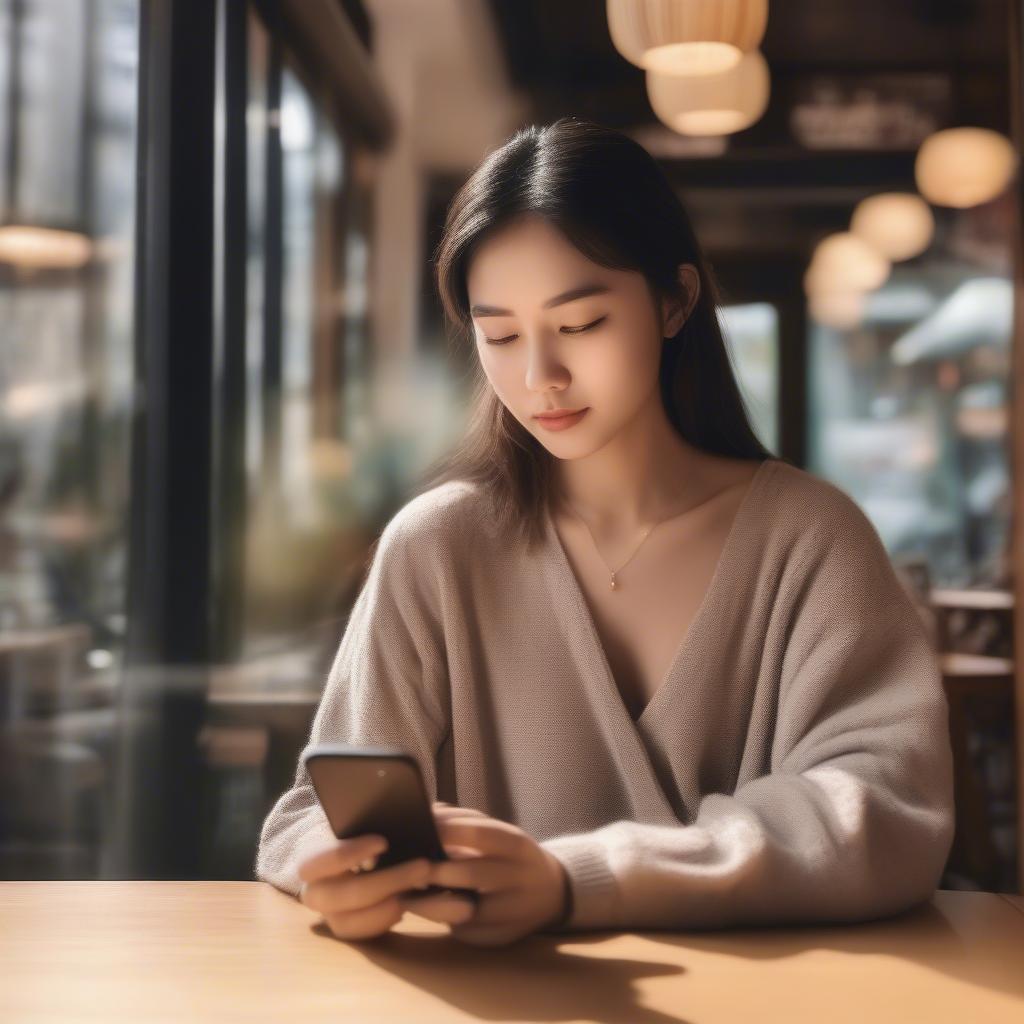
(614, 584)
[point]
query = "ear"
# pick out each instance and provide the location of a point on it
(675, 312)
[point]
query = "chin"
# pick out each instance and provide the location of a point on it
(566, 449)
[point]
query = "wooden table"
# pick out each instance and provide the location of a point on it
(243, 951)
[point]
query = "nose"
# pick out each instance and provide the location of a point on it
(543, 367)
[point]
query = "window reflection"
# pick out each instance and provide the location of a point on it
(309, 524)
(752, 339)
(66, 372)
(256, 116)
(909, 415)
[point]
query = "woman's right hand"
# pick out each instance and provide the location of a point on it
(359, 905)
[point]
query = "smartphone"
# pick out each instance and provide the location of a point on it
(379, 791)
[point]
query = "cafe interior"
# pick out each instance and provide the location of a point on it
(224, 363)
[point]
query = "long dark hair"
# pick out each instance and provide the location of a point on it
(608, 196)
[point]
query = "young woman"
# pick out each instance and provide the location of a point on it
(653, 677)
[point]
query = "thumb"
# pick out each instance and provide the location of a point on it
(456, 852)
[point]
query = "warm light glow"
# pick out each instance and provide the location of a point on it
(692, 58)
(845, 263)
(43, 248)
(988, 424)
(32, 398)
(695, 36)
(899, 225)
(842, 310)
(963, 167)
(712, 104)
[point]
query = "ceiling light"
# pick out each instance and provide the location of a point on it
(964, 167)
(695, 36)
(899, 225)
(717, 104)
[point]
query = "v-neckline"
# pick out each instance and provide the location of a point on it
(572, 586)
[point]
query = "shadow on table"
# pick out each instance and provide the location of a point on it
(533, 980)
(924, 935)
(542, 981)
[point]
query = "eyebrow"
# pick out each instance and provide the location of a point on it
(573, 293)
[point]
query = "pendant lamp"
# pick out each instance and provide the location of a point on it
(712, 104)
(964, 167)
(39, 248)
(842, 262)
(695, 36)
(899, 225)
(841, 310)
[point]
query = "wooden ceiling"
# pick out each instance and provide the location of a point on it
(768, 191)
(560, 52)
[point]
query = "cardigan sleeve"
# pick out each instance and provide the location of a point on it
(853, 820)
(387, 686)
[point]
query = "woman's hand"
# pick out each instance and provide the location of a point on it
(523, 888)
(358, 905)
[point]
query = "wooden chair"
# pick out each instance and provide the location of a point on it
(980, 692)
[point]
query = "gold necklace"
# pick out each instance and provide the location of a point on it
(615, 586)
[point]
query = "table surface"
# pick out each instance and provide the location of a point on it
(210, 951)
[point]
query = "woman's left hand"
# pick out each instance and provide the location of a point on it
(523, 888)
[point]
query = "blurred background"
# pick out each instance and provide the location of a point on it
(223, 365)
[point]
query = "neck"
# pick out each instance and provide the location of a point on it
(645, 474)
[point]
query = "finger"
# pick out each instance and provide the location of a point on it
(343, 857)
(357, 892)
(441, 908)
(461, 852)
(485, 874)
(496, 917)
(489, 835)
(448, 811)
(368, 922)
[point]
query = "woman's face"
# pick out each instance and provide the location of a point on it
(543, 346)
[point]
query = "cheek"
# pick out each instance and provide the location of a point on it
(500, 373)
(492, 367)
(620, 365)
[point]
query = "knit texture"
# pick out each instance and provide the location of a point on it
(795, 765)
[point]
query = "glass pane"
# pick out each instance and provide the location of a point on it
(752, 339)
(52, 110)
(909, 414)
(5, 88)
(308, 523)
(298, 145)
(256, 121)
(66, 403)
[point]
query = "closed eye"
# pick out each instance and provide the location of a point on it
(568, 330)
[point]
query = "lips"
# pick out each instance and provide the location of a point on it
(563, 422)
(557, 414)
